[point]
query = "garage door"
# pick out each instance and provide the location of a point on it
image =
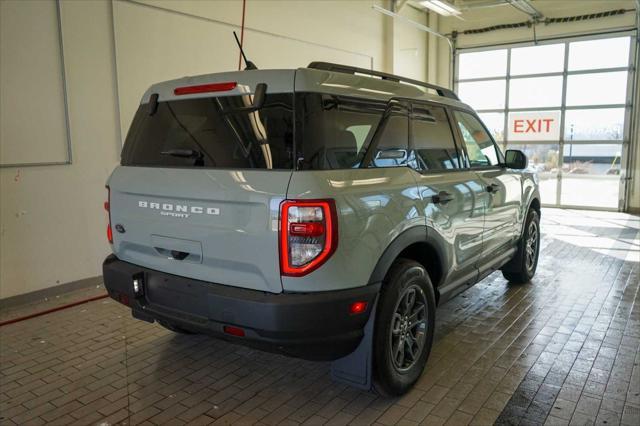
(566, 104)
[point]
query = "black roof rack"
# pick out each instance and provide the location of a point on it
(328, 66)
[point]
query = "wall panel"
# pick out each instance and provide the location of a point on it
(33, 122)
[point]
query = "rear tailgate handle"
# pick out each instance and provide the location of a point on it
(177, 248)
(176, 254)
(179, 255)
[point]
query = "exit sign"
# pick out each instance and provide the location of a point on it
(534, 126)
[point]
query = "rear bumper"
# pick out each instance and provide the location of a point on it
(314, 326)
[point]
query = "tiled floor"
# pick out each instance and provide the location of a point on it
(563, 349)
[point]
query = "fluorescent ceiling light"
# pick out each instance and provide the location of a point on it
(441, 7)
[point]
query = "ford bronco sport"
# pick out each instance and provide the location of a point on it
(300, 211)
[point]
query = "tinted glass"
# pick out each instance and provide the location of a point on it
(392, 149)
(211, 133)
(334, 131)
(481, 150)
(432, 140)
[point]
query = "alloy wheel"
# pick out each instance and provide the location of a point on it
(531, 247)
(408, 328)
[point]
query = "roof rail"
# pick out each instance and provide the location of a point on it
(328, 66)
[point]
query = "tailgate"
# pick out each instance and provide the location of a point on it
(219, 226)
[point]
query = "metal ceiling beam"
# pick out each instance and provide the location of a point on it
(410, 22)
(399, 5)
(482, 4)
(525, 6)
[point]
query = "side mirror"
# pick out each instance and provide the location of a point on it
(515, 159)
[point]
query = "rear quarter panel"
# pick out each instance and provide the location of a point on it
(374, 206)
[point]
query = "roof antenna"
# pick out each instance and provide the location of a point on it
(249, 65)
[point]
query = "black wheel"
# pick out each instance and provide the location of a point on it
(175, 328)
(405, 323)
(523, 266)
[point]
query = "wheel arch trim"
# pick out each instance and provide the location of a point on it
(417, 234)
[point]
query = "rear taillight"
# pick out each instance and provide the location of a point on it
(107, 207)
(308, 235)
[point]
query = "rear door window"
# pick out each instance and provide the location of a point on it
(212, 133)
(337, 132)
(432, 139)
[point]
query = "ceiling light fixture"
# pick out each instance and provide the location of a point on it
(441, 7)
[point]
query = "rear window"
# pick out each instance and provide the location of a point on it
(211, 133)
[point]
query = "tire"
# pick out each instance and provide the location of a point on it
(523, 266)
(395, 376)
(175, 328)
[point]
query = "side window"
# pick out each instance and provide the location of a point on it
(393, 142)
(432, 140)
(334, 132)
(481, 149)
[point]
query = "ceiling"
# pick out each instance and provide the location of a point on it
(475, 12)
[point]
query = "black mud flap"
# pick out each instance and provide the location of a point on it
(142, 316)
(356, 369)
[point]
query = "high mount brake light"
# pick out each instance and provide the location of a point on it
(205, 88)
(107, 207)
(308, 235)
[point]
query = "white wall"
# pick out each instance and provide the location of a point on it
(52, 224)
(410, 53)
(19, 68)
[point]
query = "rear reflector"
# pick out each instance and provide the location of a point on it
(205, 88)
(124, 299)
(107, 207)
(357, 308)
(234, 331)
(306, 229)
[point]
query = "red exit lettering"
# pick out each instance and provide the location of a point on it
(537, 125)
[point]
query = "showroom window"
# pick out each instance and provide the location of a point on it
(566, 104)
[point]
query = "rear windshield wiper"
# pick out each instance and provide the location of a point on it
(256, 103)
(186, 153)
